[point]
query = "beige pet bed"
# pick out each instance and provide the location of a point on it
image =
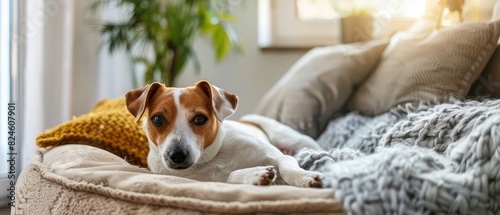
(96, 164)
(81, 179)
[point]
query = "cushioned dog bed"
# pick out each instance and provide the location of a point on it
(80, 179)
(95, 164)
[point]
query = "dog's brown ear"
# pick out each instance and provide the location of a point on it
(224, 103)
(137, 99)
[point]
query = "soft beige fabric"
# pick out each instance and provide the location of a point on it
(318, 85)
(444, 63)
(78, 179)
(488, 84)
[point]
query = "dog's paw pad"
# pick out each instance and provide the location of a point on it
(316, 182)
(311, 180)
(266, 176)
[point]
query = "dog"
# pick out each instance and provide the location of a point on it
(189, 136)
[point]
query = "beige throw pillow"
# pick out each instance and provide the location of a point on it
(319, 84)
(446, 62)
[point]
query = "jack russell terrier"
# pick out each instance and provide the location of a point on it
(189, 137)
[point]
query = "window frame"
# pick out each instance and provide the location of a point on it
(274, 33)
(280, 28)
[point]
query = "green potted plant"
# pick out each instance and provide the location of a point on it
(169, 27)
(356, 20)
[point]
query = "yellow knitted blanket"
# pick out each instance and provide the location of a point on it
(108, 126)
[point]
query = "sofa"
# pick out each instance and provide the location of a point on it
(413, 130)
(408, 126)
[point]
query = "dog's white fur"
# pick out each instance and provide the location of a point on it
(242, 151)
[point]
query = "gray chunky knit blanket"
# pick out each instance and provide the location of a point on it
(425, 159)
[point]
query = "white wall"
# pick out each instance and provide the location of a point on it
(249, 74)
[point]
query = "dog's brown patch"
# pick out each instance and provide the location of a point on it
(253, 125)
(161, 103)
(196, 102)
(232, 99)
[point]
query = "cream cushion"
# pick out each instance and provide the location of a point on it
(319, 84)
(81, 179)
(445, 63)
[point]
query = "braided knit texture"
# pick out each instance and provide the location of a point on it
(425, 159)
(108, 126)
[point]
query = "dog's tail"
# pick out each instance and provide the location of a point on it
(288, 140)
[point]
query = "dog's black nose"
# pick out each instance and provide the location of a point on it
(178, 156)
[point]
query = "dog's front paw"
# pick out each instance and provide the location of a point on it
(264, 176)
(312, 179)
(316, 181)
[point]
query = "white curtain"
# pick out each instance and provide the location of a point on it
(63, 69)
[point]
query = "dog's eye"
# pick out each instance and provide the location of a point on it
(200, 120)
(157, 120)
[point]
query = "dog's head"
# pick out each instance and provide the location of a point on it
(181, 123)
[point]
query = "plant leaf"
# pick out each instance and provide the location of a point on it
(149, 75)
(206, 24)
(196, 60)
(142, 60)
(228, 17)
(232, 36)
(221, 43)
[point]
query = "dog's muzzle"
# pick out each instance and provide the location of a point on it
(178, 158)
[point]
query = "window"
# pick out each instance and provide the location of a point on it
(307, 23)
(310, 10)
(8, 86)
